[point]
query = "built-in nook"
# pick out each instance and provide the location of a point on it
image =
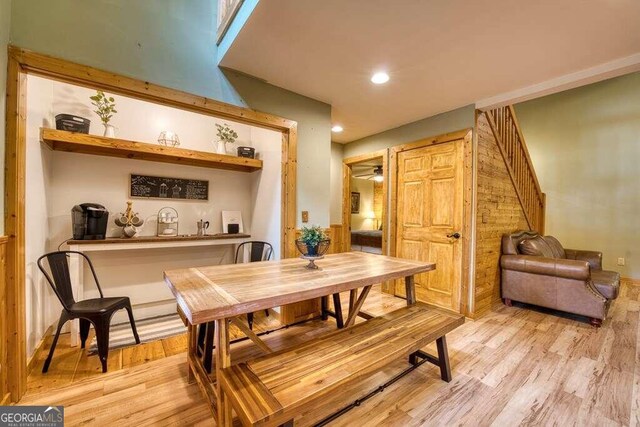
(57, 180)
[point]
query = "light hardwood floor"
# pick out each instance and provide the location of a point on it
(515, 366)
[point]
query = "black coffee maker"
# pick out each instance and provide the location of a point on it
(89, 221)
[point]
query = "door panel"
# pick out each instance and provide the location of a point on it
(413, 213)
(429, 208)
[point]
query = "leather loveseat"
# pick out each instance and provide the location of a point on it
(538, 270)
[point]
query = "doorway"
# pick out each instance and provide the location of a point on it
(431, 216)
(364, 203)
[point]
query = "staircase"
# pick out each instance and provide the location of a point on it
(514, 151)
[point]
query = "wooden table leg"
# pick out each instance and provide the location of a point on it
(410, 289)
(337, 306)
(357, 305)
(208, 344)
(353, 296)
(324, 301)
(223, 360)
(192, 350)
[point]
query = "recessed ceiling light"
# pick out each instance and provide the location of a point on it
(380, 78)
(336, 128)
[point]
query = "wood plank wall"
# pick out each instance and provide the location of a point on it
(378, 201)
(499, 211)
(4, 385)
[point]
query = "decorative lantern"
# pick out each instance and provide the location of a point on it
(167, 222)
(169, 139)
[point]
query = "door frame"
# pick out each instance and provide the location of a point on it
(347, 165)
(466, 135)
(22, 62)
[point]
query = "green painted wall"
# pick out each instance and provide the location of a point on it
(585, 147)
(167, 42)
(314, 140)
(461, 118)
(5, 25)
(172, 43)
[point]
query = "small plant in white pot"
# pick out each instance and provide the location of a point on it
(105, 108)
(226, 135)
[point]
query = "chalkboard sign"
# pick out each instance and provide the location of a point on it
(156, 187)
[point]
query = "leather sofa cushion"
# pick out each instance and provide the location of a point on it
(556, 247)
(536, 246)
(606, 282)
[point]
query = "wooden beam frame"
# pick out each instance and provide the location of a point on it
(347, 165)
(23, 62)
(467, 136)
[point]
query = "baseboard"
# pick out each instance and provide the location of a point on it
(33, 360)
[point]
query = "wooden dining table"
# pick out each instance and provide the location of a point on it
(217, 295)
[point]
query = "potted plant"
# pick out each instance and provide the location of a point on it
(313, 244)
(225, 135)
(105, 108)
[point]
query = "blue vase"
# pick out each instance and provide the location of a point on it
(312, 250)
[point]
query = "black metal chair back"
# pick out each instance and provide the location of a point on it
(96, 311)
(60, 278)
(258, 251)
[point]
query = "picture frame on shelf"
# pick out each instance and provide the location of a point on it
(232, 217)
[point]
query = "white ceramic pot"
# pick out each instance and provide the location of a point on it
(222, 148)
(109, 130)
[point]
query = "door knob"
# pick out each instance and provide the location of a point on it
(455, 235)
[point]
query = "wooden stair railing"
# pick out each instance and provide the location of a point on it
(514, 151)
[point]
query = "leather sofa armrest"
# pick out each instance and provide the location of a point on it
(566, 268)
(594, 258)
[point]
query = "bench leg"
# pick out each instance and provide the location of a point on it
(443, 358)
(413, 359)
(337, 305)
(442, 361)
(287, 424)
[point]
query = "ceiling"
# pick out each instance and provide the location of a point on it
(440, 54)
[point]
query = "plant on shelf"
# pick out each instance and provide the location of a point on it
(105, 108)
(225, 135)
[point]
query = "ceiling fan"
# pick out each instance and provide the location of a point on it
(376, 175)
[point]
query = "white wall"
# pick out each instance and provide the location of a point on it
(41, 308)
(78, 178)
(359, 220)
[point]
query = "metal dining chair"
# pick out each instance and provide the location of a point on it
(258, 251)
(96, 311)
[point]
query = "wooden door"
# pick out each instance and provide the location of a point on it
(430, 216)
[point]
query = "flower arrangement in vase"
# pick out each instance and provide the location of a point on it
(105, 108)
(225, 135)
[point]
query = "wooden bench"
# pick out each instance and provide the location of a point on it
(274, 389)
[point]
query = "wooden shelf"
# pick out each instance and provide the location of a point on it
(154, 242)
(71, 142)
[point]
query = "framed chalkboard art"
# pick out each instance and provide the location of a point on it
(158, 187)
